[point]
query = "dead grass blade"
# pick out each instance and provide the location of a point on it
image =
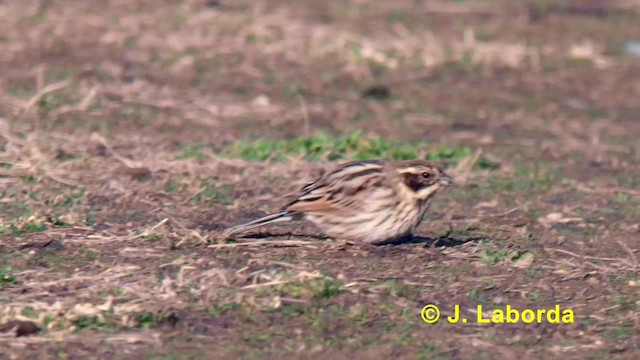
(81, 106)
(608, 190)
(633, 261)
(28, 106)
(462, 172)
(265, 243)
(582, 256)
(128, 163)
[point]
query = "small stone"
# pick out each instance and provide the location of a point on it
(261, 100)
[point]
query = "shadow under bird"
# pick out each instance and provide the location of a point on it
(371, 201)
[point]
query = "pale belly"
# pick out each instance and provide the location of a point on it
(370, 227)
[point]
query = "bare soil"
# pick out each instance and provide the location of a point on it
(113, 120)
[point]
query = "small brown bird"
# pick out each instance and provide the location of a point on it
(372, 201)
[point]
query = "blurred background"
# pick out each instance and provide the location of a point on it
(131, 132)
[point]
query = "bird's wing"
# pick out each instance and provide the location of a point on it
(320, 205)
(343, 190)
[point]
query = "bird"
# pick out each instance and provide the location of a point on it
(369, 201)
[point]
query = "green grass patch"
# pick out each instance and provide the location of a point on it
(325, 288)
(449, 153)
(69, 200)
(322, 146)
(626, 180)
(353, 146)
(290, 310)
(479, 295)
(22, 226)
(34, 227)
(150, 319)
(137, 114)
(192, 152)
(154, 237)
(90, 322)
(53, 101)
(622, 332)
(106, 322)
(58, 222)
(404, 290)
(211, 193)
(492, 257)
(218, 310)
(29, 312)
(316, 289)
(172, 186)
(530, 178)
(6, 277)
(428, 351)
(536, 296)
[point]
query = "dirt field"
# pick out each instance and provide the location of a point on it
(133, 132)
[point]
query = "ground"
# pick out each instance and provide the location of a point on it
(132, 133)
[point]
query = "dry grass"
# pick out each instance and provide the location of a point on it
(113, 122)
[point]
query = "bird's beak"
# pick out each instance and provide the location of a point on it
(446, 180)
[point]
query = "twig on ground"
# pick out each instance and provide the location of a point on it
(265, 243)
(462, 171)
(43, 92)
(270, 283)
(128, 163)
(633, 261)
(504, 213)
(81, 106)
(150, 230)
(306, 124)
(582, 256)
(609, 190)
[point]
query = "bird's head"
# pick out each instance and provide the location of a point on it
(422, 178)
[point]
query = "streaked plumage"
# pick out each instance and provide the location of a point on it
(372, 201)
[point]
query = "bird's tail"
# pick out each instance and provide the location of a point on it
(269, 219)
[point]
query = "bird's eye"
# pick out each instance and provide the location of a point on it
(426, 175)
